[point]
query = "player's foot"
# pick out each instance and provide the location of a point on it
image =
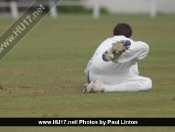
(98, 86)
(116, 50)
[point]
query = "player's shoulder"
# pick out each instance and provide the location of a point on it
(140, 44)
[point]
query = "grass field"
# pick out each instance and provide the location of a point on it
(43, 75)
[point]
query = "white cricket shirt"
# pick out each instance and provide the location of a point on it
(126, 69)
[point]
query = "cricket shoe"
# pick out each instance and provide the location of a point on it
(116, 50)
(98, 86)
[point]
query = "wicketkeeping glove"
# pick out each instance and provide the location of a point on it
(116, 50)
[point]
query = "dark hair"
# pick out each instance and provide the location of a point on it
(123, 29)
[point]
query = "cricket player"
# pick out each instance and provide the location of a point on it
(114, 68)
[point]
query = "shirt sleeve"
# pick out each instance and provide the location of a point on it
(137, 51)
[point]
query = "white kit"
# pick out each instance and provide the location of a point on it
(121, 74)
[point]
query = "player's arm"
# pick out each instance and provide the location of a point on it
(120, 53)
(113, 53)
(137, 51)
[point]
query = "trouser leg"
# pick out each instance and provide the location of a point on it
(143, 84)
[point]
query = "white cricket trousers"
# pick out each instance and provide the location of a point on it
(143, 84)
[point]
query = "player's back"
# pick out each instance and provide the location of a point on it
(104, 70)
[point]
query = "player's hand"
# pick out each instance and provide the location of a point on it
(116, 50)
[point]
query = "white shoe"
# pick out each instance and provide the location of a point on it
(98, 86)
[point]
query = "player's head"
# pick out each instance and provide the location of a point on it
(123, 29)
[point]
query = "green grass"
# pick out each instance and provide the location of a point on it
(43, 75)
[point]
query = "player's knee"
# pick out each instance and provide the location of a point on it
(148, 84)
